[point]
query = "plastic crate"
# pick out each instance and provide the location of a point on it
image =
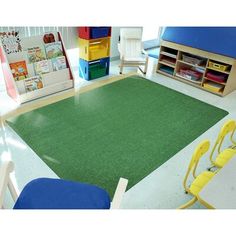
(218, 66)
(192, 60)
(94, 32)
(94, 69)
(94, 49)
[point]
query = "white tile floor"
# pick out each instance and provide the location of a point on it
(162, 189)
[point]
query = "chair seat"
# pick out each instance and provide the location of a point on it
(47, 193)
(224, 157)
(200, 182)
(134, 59)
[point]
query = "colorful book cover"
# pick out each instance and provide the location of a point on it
(41, 67)
(33, 83)
(36, 54)
(11, 42)
(59, 63)
(19, 70)
(53, 50)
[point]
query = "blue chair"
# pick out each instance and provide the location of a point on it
(48, 193)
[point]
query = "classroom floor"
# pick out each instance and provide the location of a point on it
(162, 189)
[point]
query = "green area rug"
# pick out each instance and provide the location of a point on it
(124, 129)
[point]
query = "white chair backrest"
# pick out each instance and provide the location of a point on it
(130, 42)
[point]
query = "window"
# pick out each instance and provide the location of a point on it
(152, 36)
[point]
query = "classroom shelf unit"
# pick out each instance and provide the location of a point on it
(208, 71)
(94, 49)
(56, 79)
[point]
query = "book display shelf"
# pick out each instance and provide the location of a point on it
(94, 50)
(35, 66)
(205, 70)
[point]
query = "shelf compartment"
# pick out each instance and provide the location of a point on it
(186, 63)
(94, 49)
(193, 60)
(188, 79)
(167, 64)
(213, 87)
(223, 83)
(167, 69)
(189, 72)
(218, 66)
(168, 60)
(216, 76)
(170, 52)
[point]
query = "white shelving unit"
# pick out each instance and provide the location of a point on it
(53, 82)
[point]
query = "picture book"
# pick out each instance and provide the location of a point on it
(36, 54)
(11, 42)
(59, 63)
(41, 67)
(53, 50)
(48, 38)
(19, 70)
(33, 83)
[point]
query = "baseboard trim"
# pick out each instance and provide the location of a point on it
(115, 58)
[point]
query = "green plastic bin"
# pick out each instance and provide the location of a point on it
(97, 70)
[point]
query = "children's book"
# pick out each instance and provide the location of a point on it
(53, 50)
(36, 54)
(11, 42)
(41, 67)
(19, 70)
(33, 83)
(58, 63)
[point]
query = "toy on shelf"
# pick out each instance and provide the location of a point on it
(94, 49)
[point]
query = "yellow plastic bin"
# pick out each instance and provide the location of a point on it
(218, 66)
(94, 49)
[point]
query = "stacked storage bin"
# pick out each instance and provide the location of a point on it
(94, 49)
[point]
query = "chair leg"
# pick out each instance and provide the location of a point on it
(209, 168)
(232, 146)
(146, 65)
(188, 204)
(121, 66)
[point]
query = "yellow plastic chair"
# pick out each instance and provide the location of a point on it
(202, 179)
(232, 138)
(224, 156)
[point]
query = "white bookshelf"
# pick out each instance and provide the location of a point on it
(53, 82)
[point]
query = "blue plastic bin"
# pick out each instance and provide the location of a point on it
(99, 32)
(89, 70)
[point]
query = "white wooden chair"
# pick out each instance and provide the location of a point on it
(131, 49)
(81, 193)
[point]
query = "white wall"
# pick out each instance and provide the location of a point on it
(69, 34)
(115, 32)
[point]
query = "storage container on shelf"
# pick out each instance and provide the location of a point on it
(94, 32)
(94, 69)
(218, 66)
(94, 49)
(192, 60)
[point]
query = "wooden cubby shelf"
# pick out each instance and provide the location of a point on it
(208, 71)
(167, 64)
